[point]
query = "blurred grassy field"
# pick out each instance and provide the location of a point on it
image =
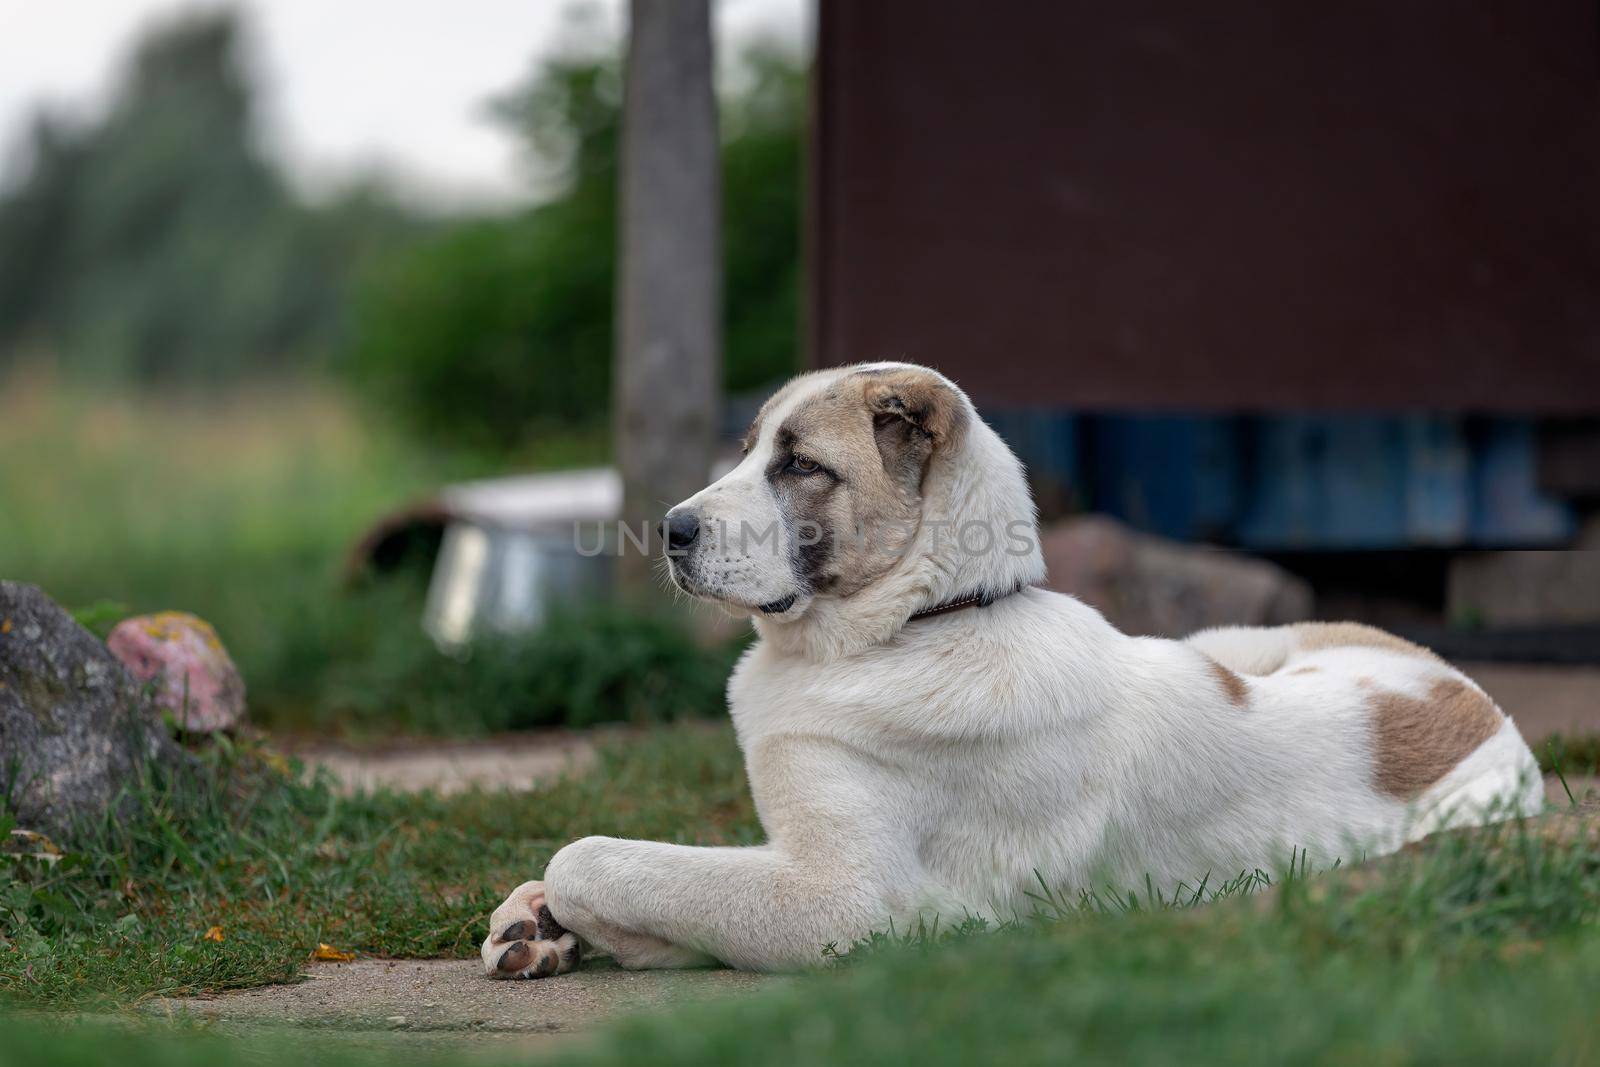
(241, 506)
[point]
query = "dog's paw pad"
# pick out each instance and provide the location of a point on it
(525, 941)
(515, 959)
(538, 959)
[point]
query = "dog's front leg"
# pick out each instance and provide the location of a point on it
(839, 861)
(649, 904)
(652, 904)
(526, 941)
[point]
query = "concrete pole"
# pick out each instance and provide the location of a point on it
(668, 366)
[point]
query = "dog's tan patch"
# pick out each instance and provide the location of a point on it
(1419, 741)
(860, 521)
(919, 398)
(790, 388)
(1305, 670)
(1232, 684)
(1313, 636)
(877, 431)
(835, 427)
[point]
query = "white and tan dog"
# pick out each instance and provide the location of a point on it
(927, 733)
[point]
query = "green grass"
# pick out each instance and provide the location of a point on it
(1479, 947)
(1569, 756)
(1461, 958)
(282, 866)
(585, 666)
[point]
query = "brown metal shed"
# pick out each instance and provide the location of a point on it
(1236, 205)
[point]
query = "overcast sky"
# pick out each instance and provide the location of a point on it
(347, 84)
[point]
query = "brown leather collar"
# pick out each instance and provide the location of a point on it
(960, 603)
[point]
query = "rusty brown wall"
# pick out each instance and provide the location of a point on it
(1240, 204)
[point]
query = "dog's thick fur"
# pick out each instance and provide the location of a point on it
(944, 766)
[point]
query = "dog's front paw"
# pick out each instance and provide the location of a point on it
(525, 941)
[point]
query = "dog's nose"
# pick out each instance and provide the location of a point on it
(681, 530)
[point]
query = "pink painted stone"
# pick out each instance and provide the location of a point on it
(196, 682)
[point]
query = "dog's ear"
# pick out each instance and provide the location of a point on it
(915, 413)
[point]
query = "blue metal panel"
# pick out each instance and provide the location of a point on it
(1508, 508)
(1325, 482)
(1178, 476)
(1046, 442)
(1313, 482)
(1438, 481)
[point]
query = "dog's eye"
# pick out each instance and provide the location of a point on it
(801, 465)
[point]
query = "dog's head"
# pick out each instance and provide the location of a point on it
(829, 496)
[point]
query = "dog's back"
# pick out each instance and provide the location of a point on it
(1438, 742)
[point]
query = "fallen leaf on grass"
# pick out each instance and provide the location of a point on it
(332, 955)
(213, 934)
(30, 843)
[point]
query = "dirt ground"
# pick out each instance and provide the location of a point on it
(511, 761)
(1544, 700)
(416, 1004)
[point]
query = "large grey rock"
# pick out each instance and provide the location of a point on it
(75, 728)
(1148, 585)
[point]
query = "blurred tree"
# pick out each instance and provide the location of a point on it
(496, 329)
(159, 244)
(762, 189)
(667, 366)
(34, 221)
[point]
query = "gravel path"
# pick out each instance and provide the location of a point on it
(513, 761)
